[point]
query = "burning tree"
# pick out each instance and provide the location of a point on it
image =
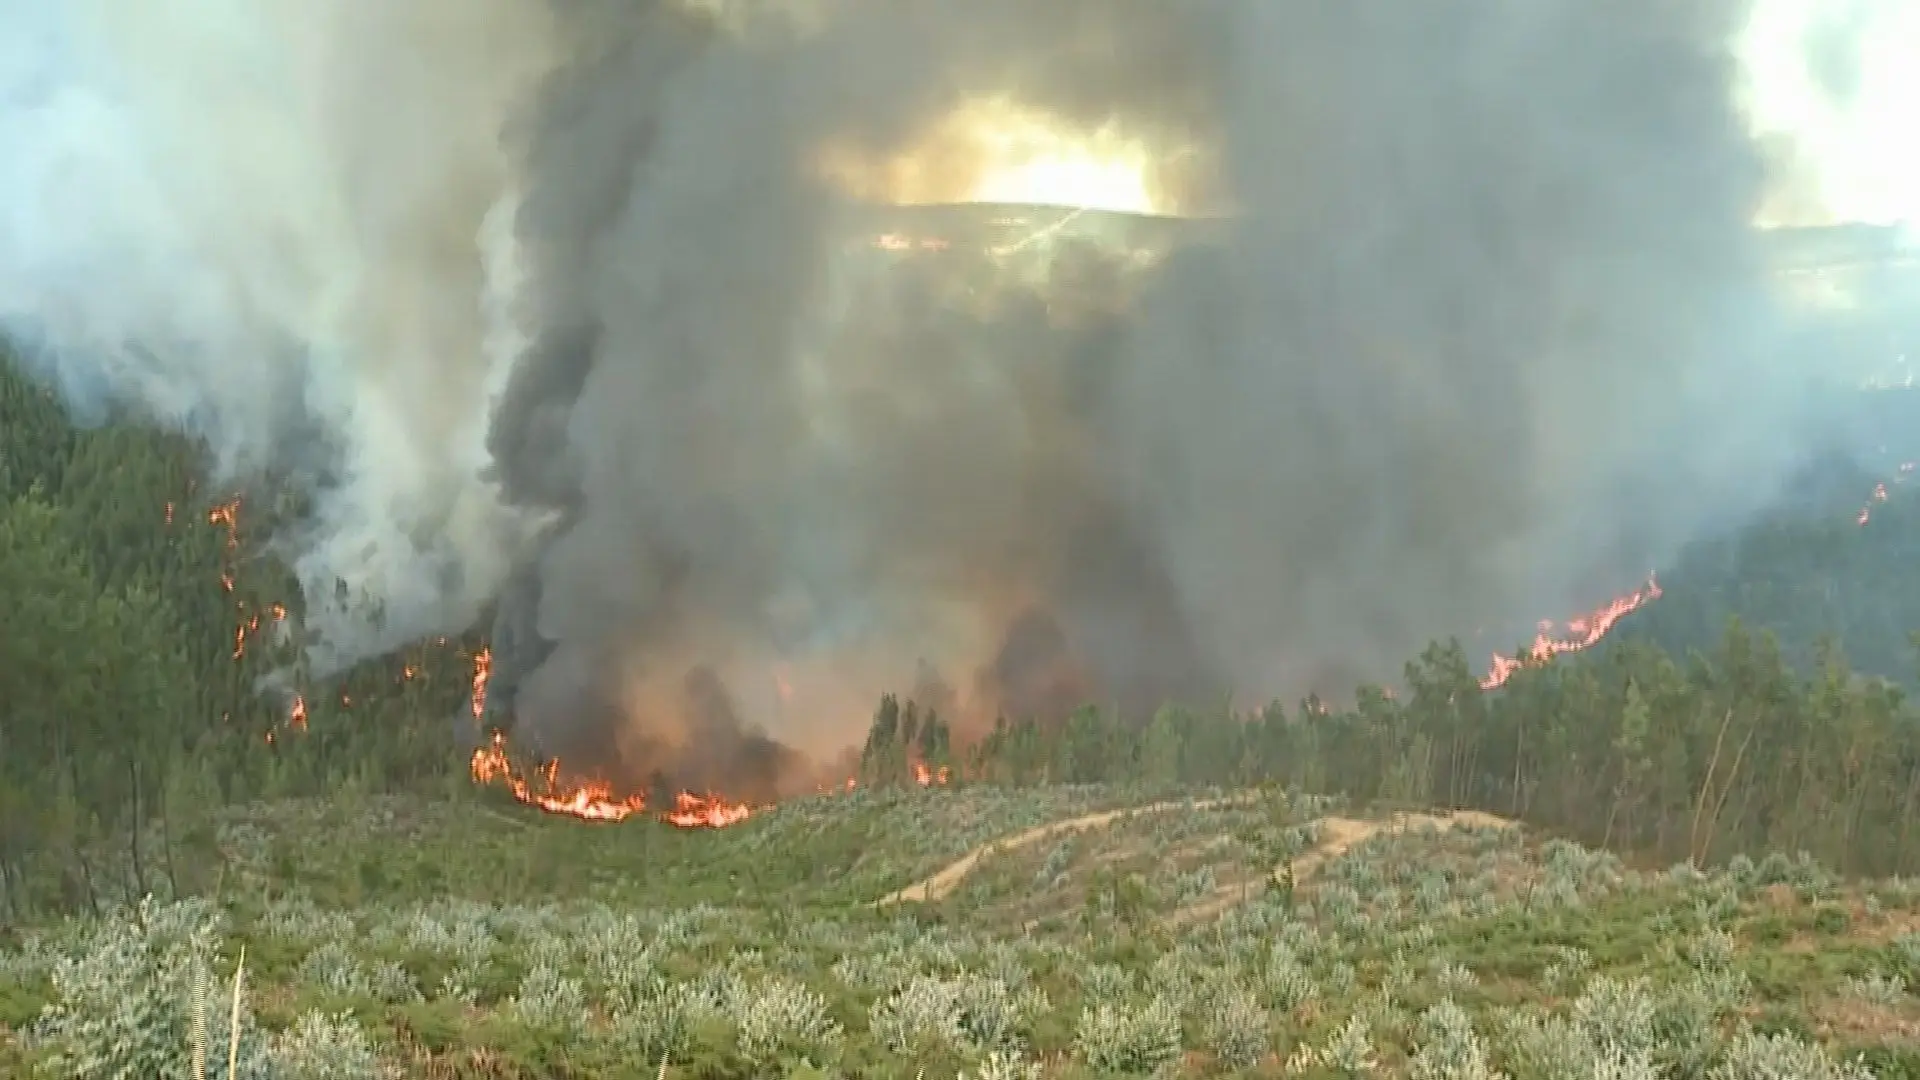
(904, 748)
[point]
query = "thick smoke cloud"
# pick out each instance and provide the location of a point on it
(1488, 322)
(1485, 337)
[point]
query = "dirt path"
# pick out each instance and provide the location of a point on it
(1338, 836)
(941, 884)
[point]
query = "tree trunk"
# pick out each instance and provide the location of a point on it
(1706, 785)
(133, 831)
(1733, 776)
(86, 879)
(9, 878)
(166, 846)
(1907, 810)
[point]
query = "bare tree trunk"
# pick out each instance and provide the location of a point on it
(86, 879)
(1733, 775)
(166, 846)
(1519, 756)
(1907, 810)
(1706, 785)
(9, 884)
(133, 831)
(1469, 785)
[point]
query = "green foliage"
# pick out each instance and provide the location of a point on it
(1732, 752)
(1464, 951)
(150, 667)
(905, 747)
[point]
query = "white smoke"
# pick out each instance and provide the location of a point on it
(1838, 83)
(286, 225)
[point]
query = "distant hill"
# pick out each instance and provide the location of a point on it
(1809, 568)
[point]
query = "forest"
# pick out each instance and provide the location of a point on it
(151, 677)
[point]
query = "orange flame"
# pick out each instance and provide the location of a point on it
(1585, 632)
(482, 671)
(594, 800)
(692, 811)
(1880, 493)
(227, 515)
(927, 777)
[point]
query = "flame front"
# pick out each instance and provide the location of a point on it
(595, 800)
(692, 811)
(1584, 632)
(1588, 630)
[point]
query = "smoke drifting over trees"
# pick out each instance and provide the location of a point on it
(557, 300)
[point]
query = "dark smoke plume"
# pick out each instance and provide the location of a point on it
(1485, 336)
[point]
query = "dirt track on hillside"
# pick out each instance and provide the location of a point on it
(941, 884)
(1338, 835)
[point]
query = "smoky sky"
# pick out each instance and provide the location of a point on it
(1483, 337)
(1488, 333)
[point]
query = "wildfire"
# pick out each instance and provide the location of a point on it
(928, 777)
(1583, 633)
(595, 800)
(482, 671)
(226, 515)
(1880, 493)
(692, 811)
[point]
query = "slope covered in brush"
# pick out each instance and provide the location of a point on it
(1335, 942)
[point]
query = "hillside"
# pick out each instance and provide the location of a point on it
(1829, 561)
(444, 940)
(159, 737)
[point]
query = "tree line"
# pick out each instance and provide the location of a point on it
(149, 666)
(1695, 760)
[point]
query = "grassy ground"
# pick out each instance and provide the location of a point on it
(465, 939)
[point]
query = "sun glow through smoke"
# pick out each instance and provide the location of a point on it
(1029, 159)
(999, 151)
